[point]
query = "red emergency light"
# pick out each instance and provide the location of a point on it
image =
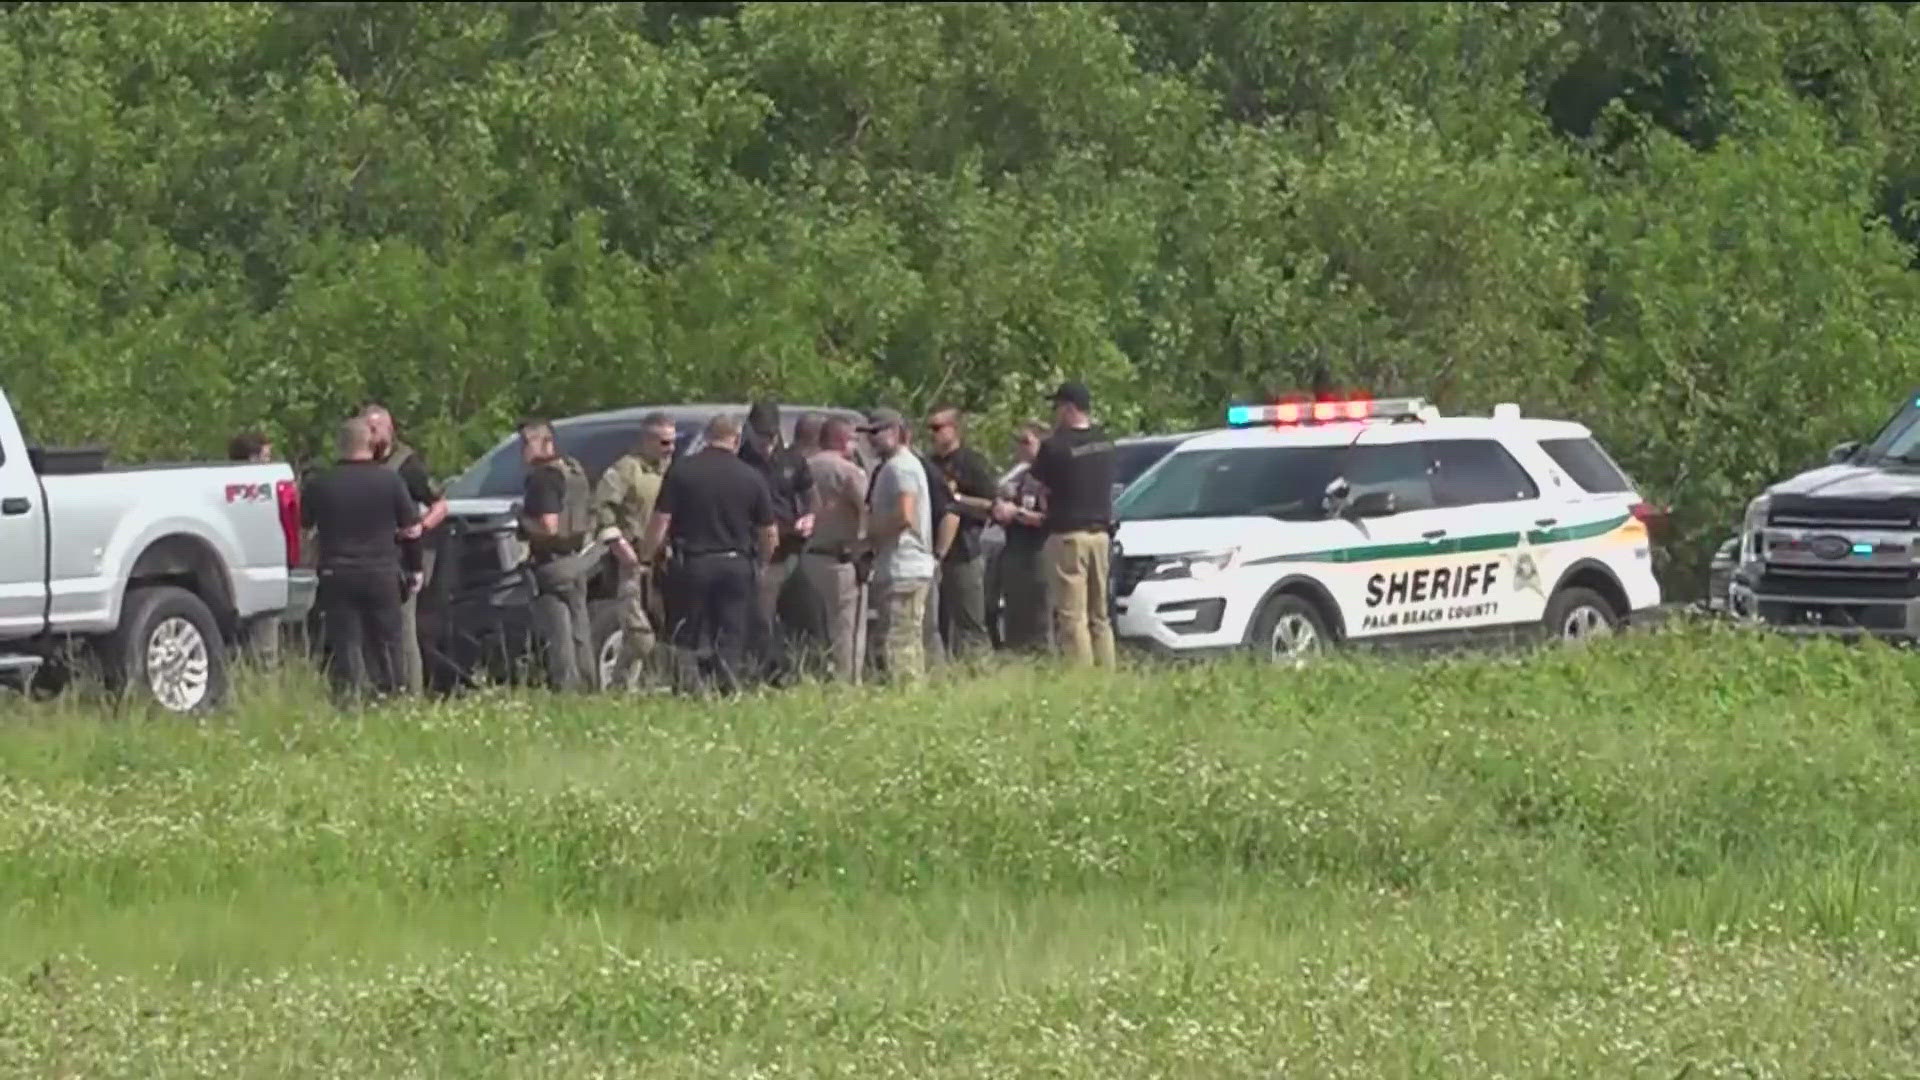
(1293, 411)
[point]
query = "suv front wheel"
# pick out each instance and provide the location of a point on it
(1289, 629)
(1575, 615)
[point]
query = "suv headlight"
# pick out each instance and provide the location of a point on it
(1198, 565)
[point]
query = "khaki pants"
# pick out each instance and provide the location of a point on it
(413, 666)
(637, 638)
(1076, 567)
(838, 587)
(902, 628)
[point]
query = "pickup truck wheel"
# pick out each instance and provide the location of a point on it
(168, 648)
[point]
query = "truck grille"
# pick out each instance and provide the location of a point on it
(1840, 583)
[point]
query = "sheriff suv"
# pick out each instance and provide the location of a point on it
(1312, 524)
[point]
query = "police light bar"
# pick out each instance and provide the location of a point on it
(1287, 413)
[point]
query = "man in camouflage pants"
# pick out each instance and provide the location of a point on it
(623, 504)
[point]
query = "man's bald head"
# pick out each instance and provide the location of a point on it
(723, 431)
(355, 440)
(836, 434)
(806, 431)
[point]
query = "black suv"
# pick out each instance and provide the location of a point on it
(474, 613)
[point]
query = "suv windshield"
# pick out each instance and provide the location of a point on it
(1288, 483)
(1899, 441)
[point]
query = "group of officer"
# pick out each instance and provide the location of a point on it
(751, 559)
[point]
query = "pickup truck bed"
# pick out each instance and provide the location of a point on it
(158, 567)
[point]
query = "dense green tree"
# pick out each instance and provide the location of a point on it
(1690, 225)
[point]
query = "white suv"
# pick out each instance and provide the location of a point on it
(1313, 524)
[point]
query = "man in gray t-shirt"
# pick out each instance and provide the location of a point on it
(900, 526)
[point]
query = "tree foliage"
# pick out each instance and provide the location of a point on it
(1690, 225)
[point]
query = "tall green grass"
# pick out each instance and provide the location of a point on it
(1688, 851)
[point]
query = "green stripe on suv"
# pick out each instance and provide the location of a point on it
(1460, 545)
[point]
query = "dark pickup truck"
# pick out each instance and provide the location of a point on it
(1836, 550)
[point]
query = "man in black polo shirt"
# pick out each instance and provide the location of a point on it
(369, 532)
(717, 513)
(1076, 466)
(963, 569)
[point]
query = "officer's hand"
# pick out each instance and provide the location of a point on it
(804, 526)
(624, 552)
(416, 581)
(1002, 511)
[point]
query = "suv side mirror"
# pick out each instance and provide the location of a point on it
(1369, 504)
(1842, 453)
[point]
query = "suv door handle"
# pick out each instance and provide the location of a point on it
(1434, 535)
(1546, 523)
(15, 507)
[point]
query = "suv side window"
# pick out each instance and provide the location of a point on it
(1587, 465)
(1473, 472)
(1406, 469)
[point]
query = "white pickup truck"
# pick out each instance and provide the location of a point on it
(158, 569)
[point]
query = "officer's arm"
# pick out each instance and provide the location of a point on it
(543, 524)
(607, 497)
(944, 534)
(656, 537)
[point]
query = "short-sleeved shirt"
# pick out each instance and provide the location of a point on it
(358, 508)
(908, 555)
(788, 478)
(718, 503)
(1024, 492)
(546, 492)
(840, 495)
(965, 472)
(1077, 467)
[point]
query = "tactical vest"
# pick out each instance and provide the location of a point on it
(398, 456)
(576, 506)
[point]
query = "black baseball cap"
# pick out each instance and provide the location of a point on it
(764, 418)
(1075, 394)
(882, 419)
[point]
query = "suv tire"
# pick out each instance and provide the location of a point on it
(167, 649)
(1575, 615)
(1295, 620)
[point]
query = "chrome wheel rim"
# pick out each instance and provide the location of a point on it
(610, 662)
(1293, 637)
(179, 665)
(1584, 622)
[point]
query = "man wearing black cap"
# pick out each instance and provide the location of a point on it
(790, 482)
(1076, 466)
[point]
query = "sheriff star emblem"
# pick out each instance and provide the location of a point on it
(1526, 575)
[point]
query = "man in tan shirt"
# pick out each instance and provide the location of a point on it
(840, 526)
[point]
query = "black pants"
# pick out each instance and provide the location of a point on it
(719, 595)
(963, 607)
(361, 610)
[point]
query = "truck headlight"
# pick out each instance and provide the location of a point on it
(1198, 565)
(1751, 528)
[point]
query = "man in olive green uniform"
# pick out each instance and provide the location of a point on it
(412, 468)
(623, 503)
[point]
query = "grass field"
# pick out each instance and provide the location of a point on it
(1694, 853)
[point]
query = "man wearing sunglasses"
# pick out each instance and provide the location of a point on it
(623, 504)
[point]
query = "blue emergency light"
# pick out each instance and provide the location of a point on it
(1290, 413)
